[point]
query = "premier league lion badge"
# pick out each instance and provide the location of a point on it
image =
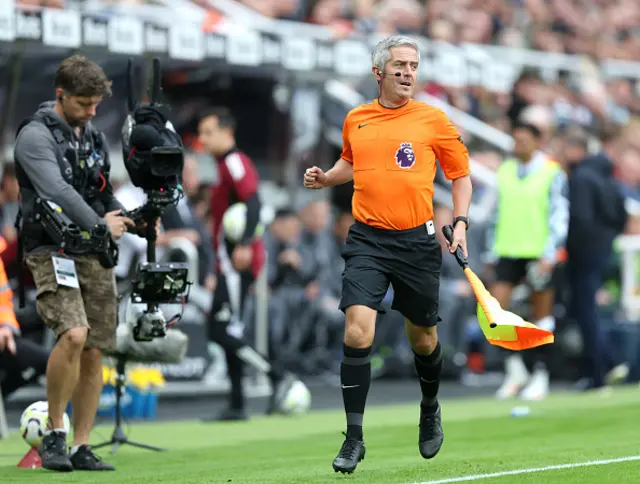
(405, 157)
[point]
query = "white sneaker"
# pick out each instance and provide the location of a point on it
(516, 377)
(618, 374)
(538, 387)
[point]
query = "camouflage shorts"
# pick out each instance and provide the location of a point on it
(93, 306)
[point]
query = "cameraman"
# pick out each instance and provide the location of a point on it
(60, 157)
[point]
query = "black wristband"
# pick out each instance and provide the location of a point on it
(461, 219)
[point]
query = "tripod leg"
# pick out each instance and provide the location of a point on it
(118, 438)
(102, 444)
(115, 447)
(118, 435)
(144, 446)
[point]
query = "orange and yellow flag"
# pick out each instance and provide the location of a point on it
(502, 328)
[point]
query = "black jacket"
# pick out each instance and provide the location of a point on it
(597, 212)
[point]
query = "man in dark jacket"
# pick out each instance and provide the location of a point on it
(597, 216)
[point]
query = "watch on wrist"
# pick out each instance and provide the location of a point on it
(461, 219)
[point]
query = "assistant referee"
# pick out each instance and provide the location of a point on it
(390, 148)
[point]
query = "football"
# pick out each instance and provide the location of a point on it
(297, 400)
(33, 423)
(234, 221)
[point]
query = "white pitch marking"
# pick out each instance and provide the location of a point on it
(477, 477)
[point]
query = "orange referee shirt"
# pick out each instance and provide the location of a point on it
(393, 153)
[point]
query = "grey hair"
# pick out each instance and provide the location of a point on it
(382, 52)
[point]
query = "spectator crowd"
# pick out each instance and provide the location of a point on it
(597, 28)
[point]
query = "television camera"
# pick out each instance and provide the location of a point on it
(154, 158)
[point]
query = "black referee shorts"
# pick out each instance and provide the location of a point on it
(409, 260)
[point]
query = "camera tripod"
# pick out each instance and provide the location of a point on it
(118, 437)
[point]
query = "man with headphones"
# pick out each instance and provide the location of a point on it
(62, 159)
(390, 147)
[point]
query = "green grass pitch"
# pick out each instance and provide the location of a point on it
(480, 438)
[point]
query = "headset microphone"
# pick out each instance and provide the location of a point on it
(397, 74)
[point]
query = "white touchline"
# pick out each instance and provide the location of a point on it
(477, 477)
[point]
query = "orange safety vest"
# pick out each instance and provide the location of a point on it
(7, 314)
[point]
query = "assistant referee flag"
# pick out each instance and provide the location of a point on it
(500, 327)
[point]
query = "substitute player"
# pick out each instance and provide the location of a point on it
(526, 236)
(237, 181)
(390, 150)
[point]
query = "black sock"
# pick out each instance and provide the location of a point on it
(429, 368)
(355, 376)
(234, 370)
(278, 369)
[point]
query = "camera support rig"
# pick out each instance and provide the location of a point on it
(159, 163)
(156, 283)
(154, 159)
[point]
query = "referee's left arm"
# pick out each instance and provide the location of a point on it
(454, 161)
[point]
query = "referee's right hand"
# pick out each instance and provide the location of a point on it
(315, 178)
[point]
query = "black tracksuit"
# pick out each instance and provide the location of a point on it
(597, 216)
